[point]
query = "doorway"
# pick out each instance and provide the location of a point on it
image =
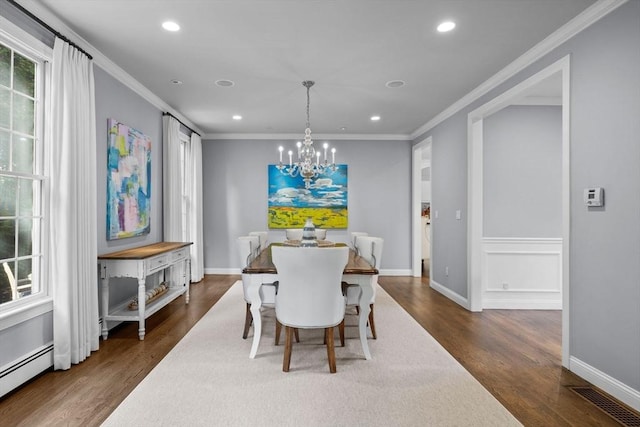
(421, 202)
(477, 256)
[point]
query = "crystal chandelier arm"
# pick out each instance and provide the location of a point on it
(306, 166)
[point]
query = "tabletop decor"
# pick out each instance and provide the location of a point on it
(309, 235)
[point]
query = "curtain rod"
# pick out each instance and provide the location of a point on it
(169, 114)
(48, 27)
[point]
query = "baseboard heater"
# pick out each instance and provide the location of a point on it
(18, 372)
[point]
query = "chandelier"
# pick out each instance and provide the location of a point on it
(308, 164)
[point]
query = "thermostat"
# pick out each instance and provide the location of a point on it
(594, 196)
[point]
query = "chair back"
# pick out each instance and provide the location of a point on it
(354, 238)
(309, 292)
(294, 233)
(370, 248)
(264, 239)
(248, 249)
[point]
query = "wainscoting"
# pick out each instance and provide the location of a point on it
(522, 273)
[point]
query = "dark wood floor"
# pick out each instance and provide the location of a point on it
(513, 354)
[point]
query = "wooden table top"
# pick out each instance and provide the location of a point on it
(145, 251)
(263, 264)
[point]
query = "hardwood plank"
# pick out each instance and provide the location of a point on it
(87, 393)
(514, 354)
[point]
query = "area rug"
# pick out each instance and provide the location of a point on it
(209, 380)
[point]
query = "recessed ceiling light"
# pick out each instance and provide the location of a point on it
(375, 118)
(394, 83)
(170, 26)
(224, 83)
(343, 128)
(237, 117)
(176, 82)
(446, 26)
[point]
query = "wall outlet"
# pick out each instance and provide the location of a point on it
(446, 271)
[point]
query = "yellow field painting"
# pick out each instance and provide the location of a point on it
(292, 217)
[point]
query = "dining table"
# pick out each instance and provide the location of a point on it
(357, 271)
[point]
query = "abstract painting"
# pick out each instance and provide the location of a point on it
(290, 203)
(128, 181)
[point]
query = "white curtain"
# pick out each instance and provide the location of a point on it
(71, 154)
(193, 159)
(172, 186)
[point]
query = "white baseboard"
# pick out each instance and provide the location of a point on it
(615, 388)
(396, 272)
(222, 271)
(19, 371)
(464, 302)
(525, 304)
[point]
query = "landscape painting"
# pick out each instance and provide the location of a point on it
(128, 181)
(290, 203)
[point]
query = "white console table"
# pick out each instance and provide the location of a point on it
(139, 263)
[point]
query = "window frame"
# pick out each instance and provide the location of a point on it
(23, 309)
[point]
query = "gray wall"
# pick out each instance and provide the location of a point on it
(605, 242)
(235, 195)
(522, 155)
(116, 101)
(449, 194)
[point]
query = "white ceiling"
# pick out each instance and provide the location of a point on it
(350, 48)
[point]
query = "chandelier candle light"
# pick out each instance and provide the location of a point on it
(308, 164)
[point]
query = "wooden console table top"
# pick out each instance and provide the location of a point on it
(145, 251)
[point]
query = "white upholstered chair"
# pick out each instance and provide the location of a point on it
(369, 248)
(321, 234)
(354, 238)
(248, 249)
(293, 233)
(309, 294)
(264, 239)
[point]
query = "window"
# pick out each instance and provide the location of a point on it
(21, 179)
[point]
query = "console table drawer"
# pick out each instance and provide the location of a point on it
(157, 263)
(180, 254)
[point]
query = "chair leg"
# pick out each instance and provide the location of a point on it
(248, 320)
(341, 332)
(286, 362)
(371, 323)
(331, 352)
(278, 329)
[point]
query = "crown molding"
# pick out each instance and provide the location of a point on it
(591, 15)
(318, 136)
(588, 17)
(539, 100)
(105, 63)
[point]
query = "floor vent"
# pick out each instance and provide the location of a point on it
(618, 412)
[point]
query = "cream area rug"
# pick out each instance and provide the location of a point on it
(209, 380)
